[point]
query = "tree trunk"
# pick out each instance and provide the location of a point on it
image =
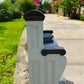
(64, 12)
(69, 13)
(74, 15)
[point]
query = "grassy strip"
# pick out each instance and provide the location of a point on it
(82, 18)
(10, 33)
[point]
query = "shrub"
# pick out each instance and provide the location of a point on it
(26, 5)
(5, 15)
(9, 11)
(16, 14)
(46, 6)
(5, 11)
(16, 11)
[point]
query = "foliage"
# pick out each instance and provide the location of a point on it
(16, 13)
(46, 6)
(10, 33)
(71, 4)
(38, 6)
(5, 11)
(75, 4)
(13, 1)
(5, 15)
(56, 6)
(25, 5)
(69, 7)
(9, 11)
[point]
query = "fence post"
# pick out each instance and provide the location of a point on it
(46, 59)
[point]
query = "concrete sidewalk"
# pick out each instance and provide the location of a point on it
(70, 35)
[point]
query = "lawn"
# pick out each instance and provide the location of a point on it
(10, 33)
(82, 18)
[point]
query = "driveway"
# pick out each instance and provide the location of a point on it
(70, 35)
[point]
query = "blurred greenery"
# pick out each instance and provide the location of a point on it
(25, 5)
(69, 8)
(9, 11)
(46, 6)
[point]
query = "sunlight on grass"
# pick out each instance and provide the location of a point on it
(82, 18)
(10, 33)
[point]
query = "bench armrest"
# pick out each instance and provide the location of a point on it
(48, 31)
(56, 50)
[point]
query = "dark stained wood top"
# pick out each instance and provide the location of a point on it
(48, 31)
(34, 15)
(53, 48)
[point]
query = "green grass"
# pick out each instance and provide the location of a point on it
(54, 13)
(82, 18)
(10, 33)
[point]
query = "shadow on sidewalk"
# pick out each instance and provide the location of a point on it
(64, 81)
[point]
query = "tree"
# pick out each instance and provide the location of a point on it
(13, 1)
(75, 5)
(46, 6)
(70, 7)
(25, 5)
